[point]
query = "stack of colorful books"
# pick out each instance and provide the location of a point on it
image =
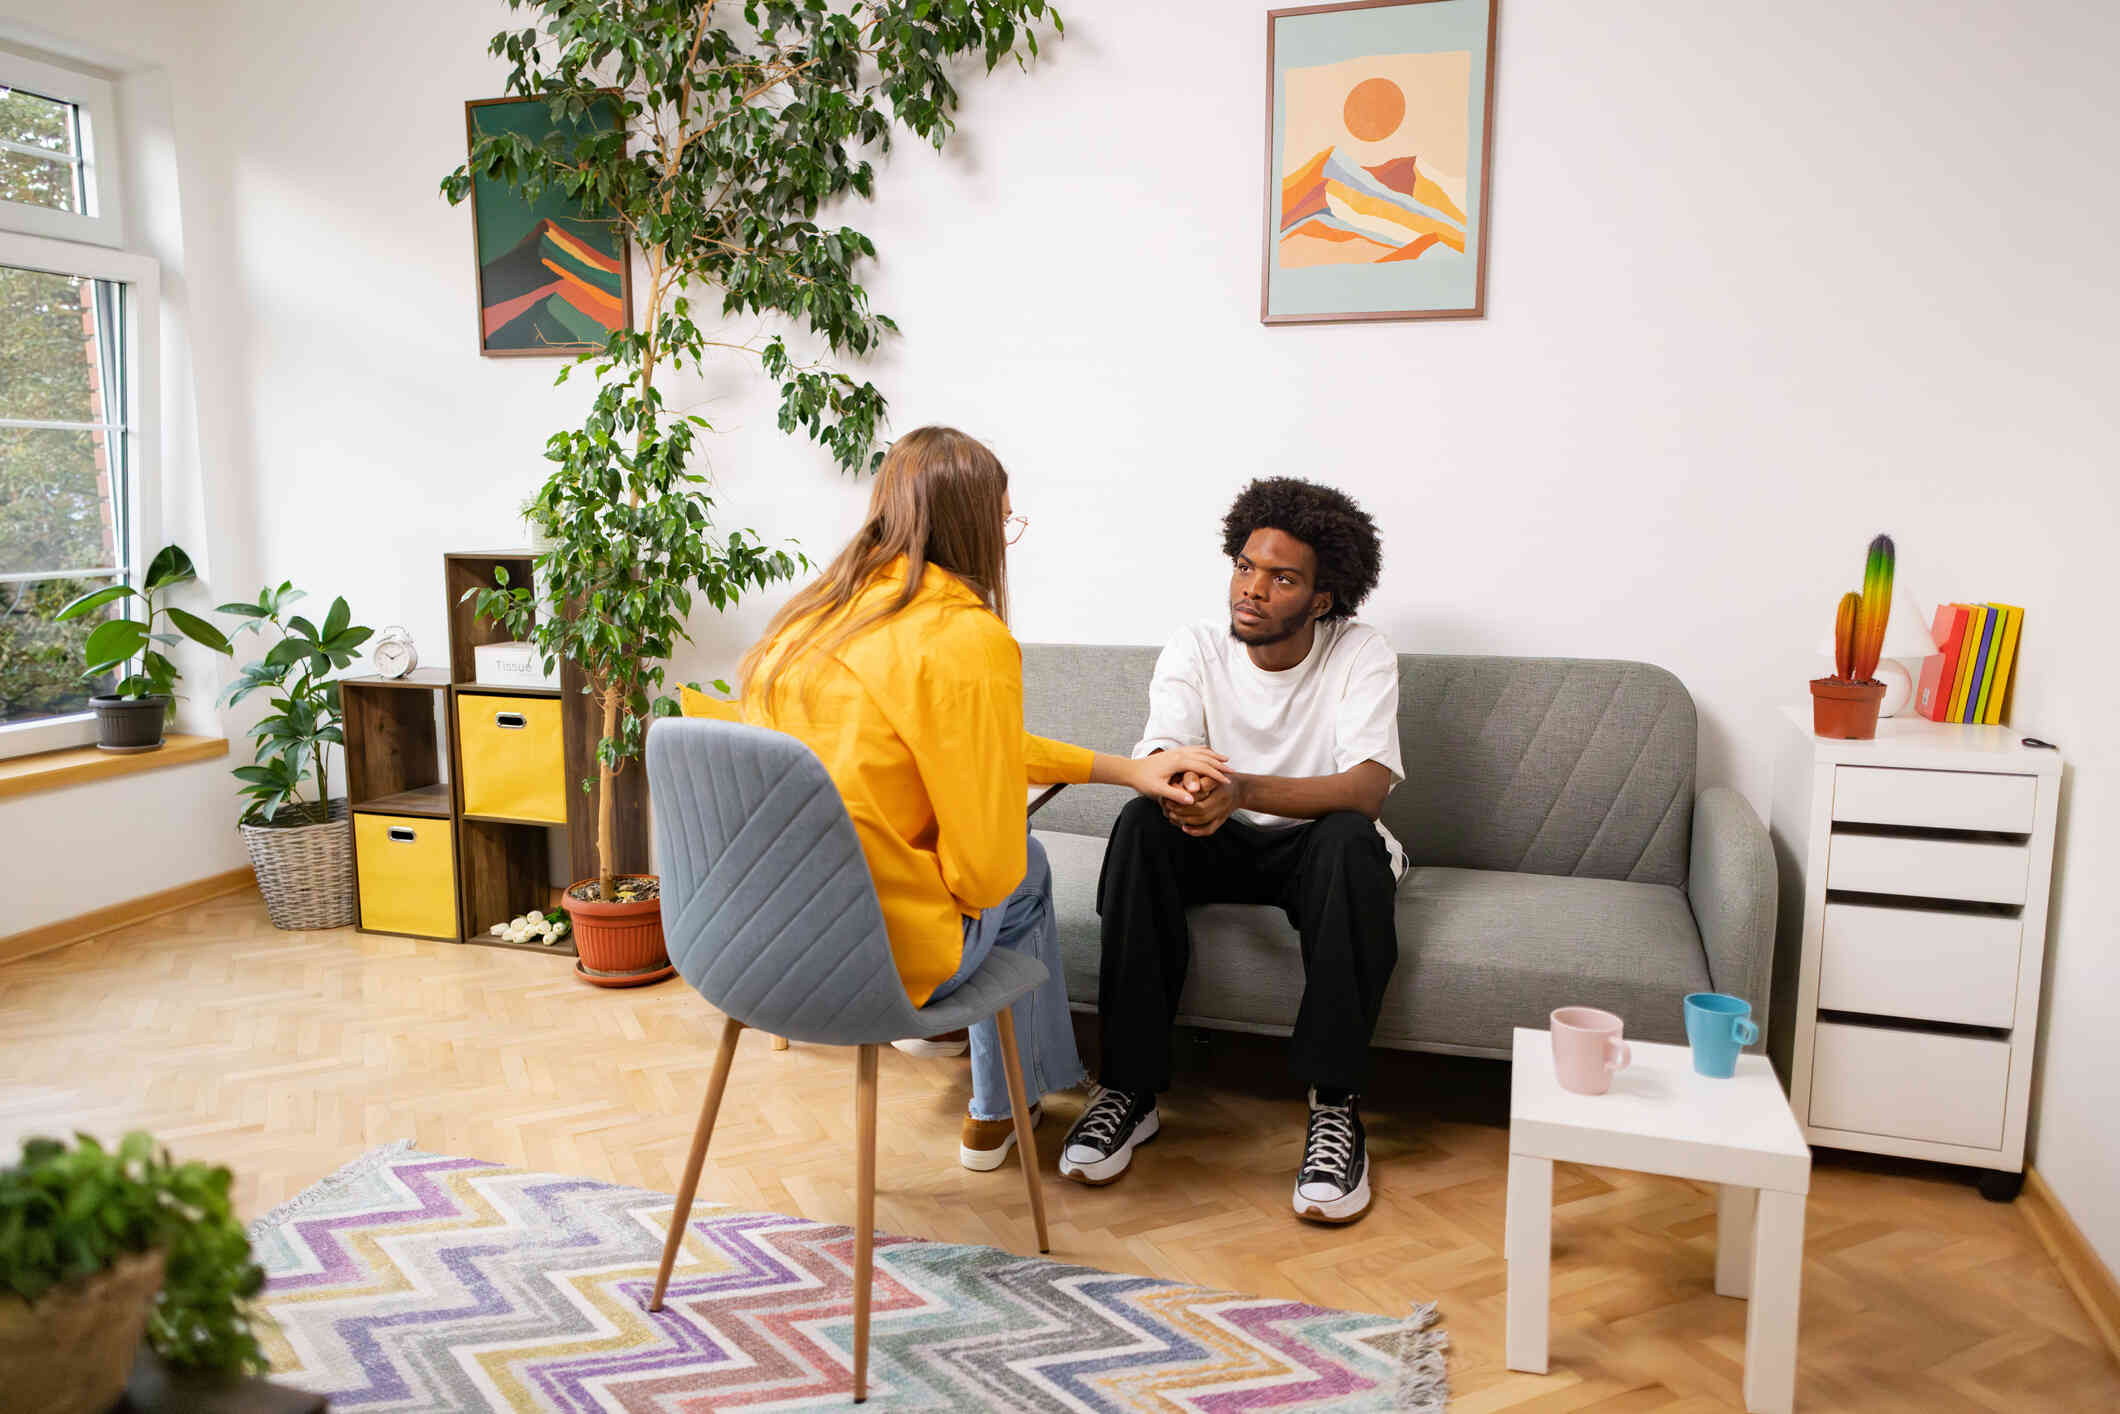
(1969, 680)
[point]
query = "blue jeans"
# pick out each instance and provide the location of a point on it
(1045, 1037)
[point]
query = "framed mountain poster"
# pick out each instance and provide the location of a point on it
(1377, 160)
(553, 278)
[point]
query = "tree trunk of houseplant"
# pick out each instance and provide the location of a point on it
(304, 865)
(619, 940)
(71, 1350)
(130, 724)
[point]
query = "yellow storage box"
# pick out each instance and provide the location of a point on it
(514, 765)
(407, 865)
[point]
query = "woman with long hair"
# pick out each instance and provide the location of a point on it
(896, 666)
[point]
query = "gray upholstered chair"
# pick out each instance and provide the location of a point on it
(769, 911)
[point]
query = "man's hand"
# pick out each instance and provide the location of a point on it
(1174, 777)
(1213, 803)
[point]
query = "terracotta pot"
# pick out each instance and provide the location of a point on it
(621, 944)
(1845, 711)
(129, 724)
(71, 1350)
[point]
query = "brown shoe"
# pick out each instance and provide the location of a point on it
(949, 1043)
(985, 1143)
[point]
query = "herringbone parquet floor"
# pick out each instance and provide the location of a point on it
(286, 1054)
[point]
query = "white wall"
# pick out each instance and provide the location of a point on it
(1765, 280)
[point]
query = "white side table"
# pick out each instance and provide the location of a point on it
(1660, 1117)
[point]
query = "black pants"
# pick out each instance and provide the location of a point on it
(1333, 879)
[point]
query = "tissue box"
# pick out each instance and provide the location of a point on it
(511, 665)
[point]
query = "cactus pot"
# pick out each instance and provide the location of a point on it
(1845, 711)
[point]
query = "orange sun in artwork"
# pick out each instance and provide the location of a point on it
(1375, 108)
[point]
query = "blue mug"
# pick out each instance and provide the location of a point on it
(1718, 1028)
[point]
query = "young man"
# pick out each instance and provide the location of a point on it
(1303, 699)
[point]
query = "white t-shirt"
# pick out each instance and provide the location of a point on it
(1331, 712)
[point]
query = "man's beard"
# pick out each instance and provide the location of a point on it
(1267, 633)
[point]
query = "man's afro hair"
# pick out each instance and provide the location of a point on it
(1339, 532)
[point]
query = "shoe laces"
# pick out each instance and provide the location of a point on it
(1100, 1123)
(1330, 1147)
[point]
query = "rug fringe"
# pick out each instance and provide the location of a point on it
(330, 1184)
(1424, 1376)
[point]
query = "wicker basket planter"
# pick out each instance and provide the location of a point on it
(305, 868)
(71, 1351)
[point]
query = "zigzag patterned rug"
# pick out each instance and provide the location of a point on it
(412, 1281)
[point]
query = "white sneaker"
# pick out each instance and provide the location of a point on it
(1333, 1184)
(1102, 1143)
(950, 1043)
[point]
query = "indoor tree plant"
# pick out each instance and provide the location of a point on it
(1845, 705)
(131, 715)
(739, 124)
(98, 1245)
(302, 849)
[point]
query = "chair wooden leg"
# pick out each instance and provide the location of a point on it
(731, 1028)
(864, 1210)
(1026, 1142)
(780, 1043)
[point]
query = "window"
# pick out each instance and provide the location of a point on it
(57, 137)
(72, 403)
(77, 394)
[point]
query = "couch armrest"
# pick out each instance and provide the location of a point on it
(1732, 887)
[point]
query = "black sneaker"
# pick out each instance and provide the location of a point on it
(1101, 1145)
(1333, 1186)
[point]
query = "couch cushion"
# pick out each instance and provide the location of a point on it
(1480, 952)
(1545, 766)
(1540, 765)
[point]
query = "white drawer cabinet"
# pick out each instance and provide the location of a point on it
(1912, 936)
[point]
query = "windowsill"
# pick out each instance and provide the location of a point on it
(49, 770)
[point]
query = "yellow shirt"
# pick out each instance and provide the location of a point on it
(919, 722)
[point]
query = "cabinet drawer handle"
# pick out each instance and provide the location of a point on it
(512, 721)
(403, 834)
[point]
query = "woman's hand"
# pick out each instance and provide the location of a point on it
(1179, 775)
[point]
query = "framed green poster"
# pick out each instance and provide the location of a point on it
(1378, 117)
(553, 279)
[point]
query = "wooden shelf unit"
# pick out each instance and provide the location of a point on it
(404, 757)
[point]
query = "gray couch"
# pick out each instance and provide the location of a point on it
(1559, 854)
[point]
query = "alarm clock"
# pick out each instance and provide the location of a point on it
(393, 654)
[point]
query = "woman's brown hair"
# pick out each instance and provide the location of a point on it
(940, 499)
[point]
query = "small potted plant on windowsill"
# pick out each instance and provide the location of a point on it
(1844, 706)
(100, 1245)
(130, 717)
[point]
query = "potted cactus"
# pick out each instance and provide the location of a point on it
(1844, 706)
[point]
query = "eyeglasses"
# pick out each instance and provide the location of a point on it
(1012, 528)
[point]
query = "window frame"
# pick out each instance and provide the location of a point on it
(141, 340)
(104, 223)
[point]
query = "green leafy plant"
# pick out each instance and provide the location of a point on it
(739, 124)
(293, 741)
(69, 1212)
(117, 642)
(1859, 623)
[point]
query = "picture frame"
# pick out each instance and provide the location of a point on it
(1379, 160)
(552, 281)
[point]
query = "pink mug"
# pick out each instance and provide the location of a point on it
(1587, 1048)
